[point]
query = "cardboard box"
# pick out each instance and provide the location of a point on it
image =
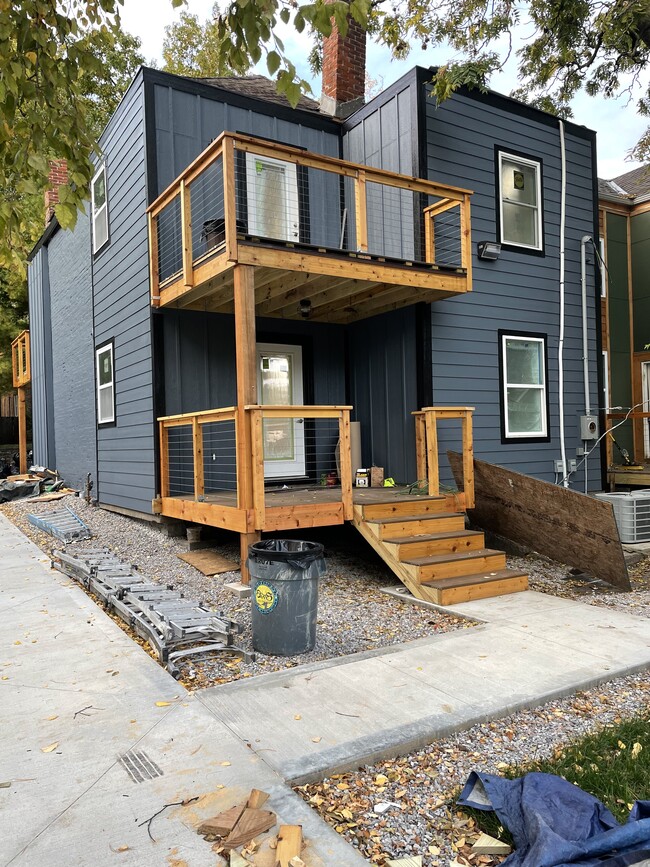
(376, 477)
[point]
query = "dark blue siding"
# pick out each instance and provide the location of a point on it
(73, 379)
(126, 451)
(41, 357)
(518, 292)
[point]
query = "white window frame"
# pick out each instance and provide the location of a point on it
(537, 165)
(103, 210)
(101, 350)
(524, 435)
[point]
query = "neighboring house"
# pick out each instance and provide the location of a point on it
(239, 253)
(625, 237)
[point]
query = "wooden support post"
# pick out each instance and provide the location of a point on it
(154, 273)
(197, 443)
(420, 446)
(429, 239)
(433, 475)
(345, 460)
(22, 430)
(164, 460)
(466, 239)
(245, 356)
(246, 539)
(468, 460)
(230, 199)
(186, 235)
(361, 211)
(257, 451)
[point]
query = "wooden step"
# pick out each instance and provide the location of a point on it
(452, 541)
(418, 525)
(450, 565)
(405, 506)
(482, 585)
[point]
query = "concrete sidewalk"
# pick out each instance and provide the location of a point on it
(71, 677)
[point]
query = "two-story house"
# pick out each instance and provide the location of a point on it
(262, 299)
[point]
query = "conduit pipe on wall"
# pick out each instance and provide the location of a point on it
(586, 239)
(560, 348)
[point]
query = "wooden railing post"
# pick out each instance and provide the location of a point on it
(257, 450)
(164, 460)
(345, 460)
(420, 446)
(361, 211)
(186, 235)
(468, 459)
(466, 239)
(22, 430)
(433, 474)
(230, 198)
(154, 272)
(197, 449)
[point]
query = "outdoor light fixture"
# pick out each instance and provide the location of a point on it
(489, 250)
(305, 308)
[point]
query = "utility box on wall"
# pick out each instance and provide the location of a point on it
(588, 427)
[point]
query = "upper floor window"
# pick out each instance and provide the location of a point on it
(524, 399)
(105, 384)
(520, 201)
(100, 209)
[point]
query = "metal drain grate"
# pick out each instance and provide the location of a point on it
(139, 766)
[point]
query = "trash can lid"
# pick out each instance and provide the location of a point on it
(286, 551)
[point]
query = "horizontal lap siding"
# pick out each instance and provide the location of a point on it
(519, 292)
(126, 452)
(72, 352)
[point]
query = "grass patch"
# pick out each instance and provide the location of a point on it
(613, 765)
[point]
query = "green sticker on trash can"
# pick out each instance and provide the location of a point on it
(266, 597)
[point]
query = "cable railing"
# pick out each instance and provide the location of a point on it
(244, 191)
(20, 360)
(426, 447)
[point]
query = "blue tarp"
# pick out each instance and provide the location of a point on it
(555, 824)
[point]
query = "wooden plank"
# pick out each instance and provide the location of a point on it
(210, 514)
(164, 460)
(246, 366)
(559, 523)
(154, 273)
(246, 539)
(22, 429)
(304, 515)
(468, 459)
(257, 799)
(420, 447)
(197, 457)
(209, 562)
(251, 823)
(206, 283)
(361, 210)
(486, 590)
(433, 470)
(345, 461)
(289, 844)
(230, 198)
(466, 240)
(257, 455)
(222, 824)
(186, 235)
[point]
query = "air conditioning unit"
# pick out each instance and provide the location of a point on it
(632, 514)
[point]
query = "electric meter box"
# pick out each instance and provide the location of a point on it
(588, 427)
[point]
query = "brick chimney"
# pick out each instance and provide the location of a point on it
(58, 177)
(344, 71)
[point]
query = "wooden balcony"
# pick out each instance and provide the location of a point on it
(327, 239)
(20, 360)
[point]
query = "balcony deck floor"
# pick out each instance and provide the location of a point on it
(305, 495)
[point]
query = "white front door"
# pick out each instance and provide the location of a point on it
(645, 385)
(279, 383)
(272, 198)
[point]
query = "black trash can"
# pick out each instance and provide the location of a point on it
(284, 592)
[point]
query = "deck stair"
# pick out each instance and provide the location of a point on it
(425, 543)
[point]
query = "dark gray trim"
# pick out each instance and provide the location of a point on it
(424, 355)
(420, 124)
(514, 106)
(151, 156)
(515, 332)
(47, 351)
(273, 109)
(98, 348)
(51, 228)
(516, 248)
(599, 331)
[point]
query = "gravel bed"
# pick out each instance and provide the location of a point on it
(546, 576)
(353, 615)
(425, 783)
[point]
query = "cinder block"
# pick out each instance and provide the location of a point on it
(241, 590)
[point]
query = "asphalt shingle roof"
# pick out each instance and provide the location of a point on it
(259, 87)
(635, 183)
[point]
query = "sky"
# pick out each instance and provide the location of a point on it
(615, 120)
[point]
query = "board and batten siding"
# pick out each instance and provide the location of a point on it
(126, 451)
(73, 378)
(40, 339)
(519, 292)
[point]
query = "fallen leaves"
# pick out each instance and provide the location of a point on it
(50, 748)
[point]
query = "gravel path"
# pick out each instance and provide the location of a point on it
(352, 614)
(425, 782)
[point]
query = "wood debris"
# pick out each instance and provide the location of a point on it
(209, 562)
(486, 845)
(406, 862)
(239, 825)
(289, 845)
